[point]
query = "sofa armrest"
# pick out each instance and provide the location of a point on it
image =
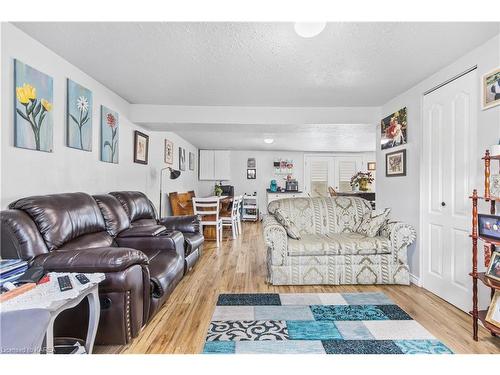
(276, 240)
(401, 236)
(100, 259)
(171, 241)
(143, 231)
(184, 224)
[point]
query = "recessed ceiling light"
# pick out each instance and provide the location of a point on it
(309, 29)
(268, 140)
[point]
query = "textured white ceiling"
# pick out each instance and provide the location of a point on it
(259, 64)
(307, 137)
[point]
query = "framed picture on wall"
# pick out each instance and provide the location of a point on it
(141, 146)
(395, 163)
(490, 85)
(371, 165)
(191, 161)
(182, 159)
(78, 117)
(169, 152)
(393, 129)
(251, 174)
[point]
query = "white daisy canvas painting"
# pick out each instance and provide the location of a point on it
(79, 117)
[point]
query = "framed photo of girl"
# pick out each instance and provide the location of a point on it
(490, 85)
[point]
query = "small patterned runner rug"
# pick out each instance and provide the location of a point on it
(315, 323)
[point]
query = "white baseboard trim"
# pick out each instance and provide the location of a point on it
(415, 280)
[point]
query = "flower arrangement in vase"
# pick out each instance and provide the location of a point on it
(362, 180)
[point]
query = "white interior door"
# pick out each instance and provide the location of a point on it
(449, 133)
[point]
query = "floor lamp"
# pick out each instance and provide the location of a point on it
(173, 175)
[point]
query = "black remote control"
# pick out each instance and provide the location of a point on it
(82, 278)
(64, 283)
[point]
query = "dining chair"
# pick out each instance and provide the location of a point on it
(208, 209)
(232, 221)
(240, 210)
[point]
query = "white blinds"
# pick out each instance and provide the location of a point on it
(319, 171)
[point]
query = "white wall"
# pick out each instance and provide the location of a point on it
(27, 172)
(265, 172)
(403, 193)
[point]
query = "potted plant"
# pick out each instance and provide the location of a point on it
(362, 180)
(218, 190)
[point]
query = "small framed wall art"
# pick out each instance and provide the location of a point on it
(78, 117)
(371, 165)
(191, 161)
(394, 129)
(109, 135)
(395, 163)
(490, 84)
(169, 152)
(182, 159)
(251, 174)
(141, 147)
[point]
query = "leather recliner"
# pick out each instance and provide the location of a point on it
(74, 232)
(141, 211)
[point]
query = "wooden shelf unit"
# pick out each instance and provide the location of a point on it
(480, 315)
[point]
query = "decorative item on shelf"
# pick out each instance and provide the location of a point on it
(371, 165)
(169, 152)
(191, 161)
(491, 89)
(251, 174)
(109, 135)
(395, 163)
(489, 226)
(33, 120)
(493, 271)
(141, 147)
(488, 249)
(493, 315)
(393, 129)
(251, 163)
(218, 189)
(79, 117)
(273, 187)
(495, 149)
(182, 159)
(362, 180)
(495, 185)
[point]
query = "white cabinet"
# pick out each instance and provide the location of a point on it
(215, 165)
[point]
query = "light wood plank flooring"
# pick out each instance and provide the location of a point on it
(238, 266)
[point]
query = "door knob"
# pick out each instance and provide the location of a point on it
(443, 204)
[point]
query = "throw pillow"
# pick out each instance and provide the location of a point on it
(290, 227)
(370, 225)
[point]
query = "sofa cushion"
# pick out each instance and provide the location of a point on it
(136, 204)
(370, 225)
(338, 244)
(61, 218)
(284, 220)
(323, 214)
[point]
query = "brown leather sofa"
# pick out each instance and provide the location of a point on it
(76, 232)
(141, 211)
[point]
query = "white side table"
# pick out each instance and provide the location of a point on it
(48, 296)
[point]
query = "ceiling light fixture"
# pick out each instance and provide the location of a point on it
(268, 140)
(309, 29)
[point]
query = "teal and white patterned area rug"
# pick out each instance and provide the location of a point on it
(316, 323)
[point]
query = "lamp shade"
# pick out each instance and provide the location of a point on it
(174, 174)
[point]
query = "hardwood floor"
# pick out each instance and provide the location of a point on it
(238, 266)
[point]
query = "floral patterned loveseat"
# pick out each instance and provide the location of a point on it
(329, 250)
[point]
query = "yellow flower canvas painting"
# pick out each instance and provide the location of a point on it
(33, 108)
